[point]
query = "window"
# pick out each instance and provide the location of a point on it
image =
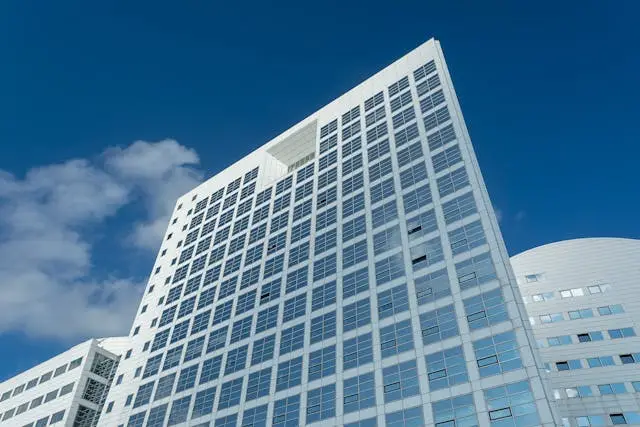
(421, 225)
(613, 388)
(452, 182)
(255, 417)
(497, 354)
(357, 351)
(513, 402)
(610, 309)
(263, 349)
(292, 339)
(236, 359)
(277, 223)
(286, 412)
(551, 318)
(621, 333)
(359, 392)
(353, 205)
(568, 365)
(230, 393)
(323, 296)
(355, 283)
(187, 378)
(323, 327)
(432, 286)
(400, 381)
(380, 169)
(180, 331)
(356, 315)
(267, 318)
(324, 267)
(194, 349)
(322, 363)
(396, 338)
(438, 325)
(143, 395)
(57, 417)
(446, 368)
(405, 418)
(488, 308)
(351, 164)
(326, 241)
(241, 329)
(455, 411)
(382, 190)
(413, 175)
(297, 279)
(354, 254)
(624, 358)
(426, 254)
(467, 237)
(273, 266)
(165, 386)
(203, 404)
(259, 384)
(295, 307)
(173, 358)
(217, 339)
(300, 231)
(584, 313)
(475, 271)
(618, 419)
(321, 403)
(270, 291)
(562, 340)
(386, 240)
(417, 198)
(289, 374)
(389, 268)
(299, 254)
(211, 369)
(326, 197)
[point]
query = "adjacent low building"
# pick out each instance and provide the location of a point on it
(583, 300)
(66, 390)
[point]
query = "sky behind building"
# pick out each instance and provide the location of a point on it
(548, 91)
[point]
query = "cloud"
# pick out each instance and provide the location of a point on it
(498, 213)
(47, 219)
(520, 215)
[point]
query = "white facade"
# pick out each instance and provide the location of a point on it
(333, 277)
(583, 299)
(66, 390)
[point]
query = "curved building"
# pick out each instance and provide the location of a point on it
(583, 301)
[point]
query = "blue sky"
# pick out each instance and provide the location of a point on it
(549, 91)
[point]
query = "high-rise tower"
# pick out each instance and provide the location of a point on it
(349, 272)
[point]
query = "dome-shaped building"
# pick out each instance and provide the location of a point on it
(583, 301)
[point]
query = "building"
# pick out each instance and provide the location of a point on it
(349, 272)
(583, 299)
(66, 390)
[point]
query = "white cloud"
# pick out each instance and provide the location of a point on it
(498, 213)
(520, 215)
(46, 224)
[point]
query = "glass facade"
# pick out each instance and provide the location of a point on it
(365, 285)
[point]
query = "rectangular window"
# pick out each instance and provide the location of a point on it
(389, 268)
(236, 360)
(263, 349)
(432, 286)
(426, 254)
(467, 237)
(358, 351)
(323, 327)
(497, 354)
(323, 296)
(359, 393)
(475, 271)
(384, 213)
(230, 393)
(446, 368)
(386, 240)
(396, 338)
(321, 403)
(356, 315)
(452, 182)
(353, 205)
(289, 374)
(488, 308)
(286, 412)
(400, 381)
(438, 325)
(267, 319)
(405, 418)
(297, 279)
(217, 339)
(354, 254)
(259, 384)
(355, 283)
(295, 307)
(292, 339)
(393, 301)
(322, 363)
(455, 411)
(416, 199)
(354, 228)
(514, 402)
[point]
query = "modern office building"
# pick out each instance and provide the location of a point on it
(349, 272)
(66, 390)
(583, 299)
